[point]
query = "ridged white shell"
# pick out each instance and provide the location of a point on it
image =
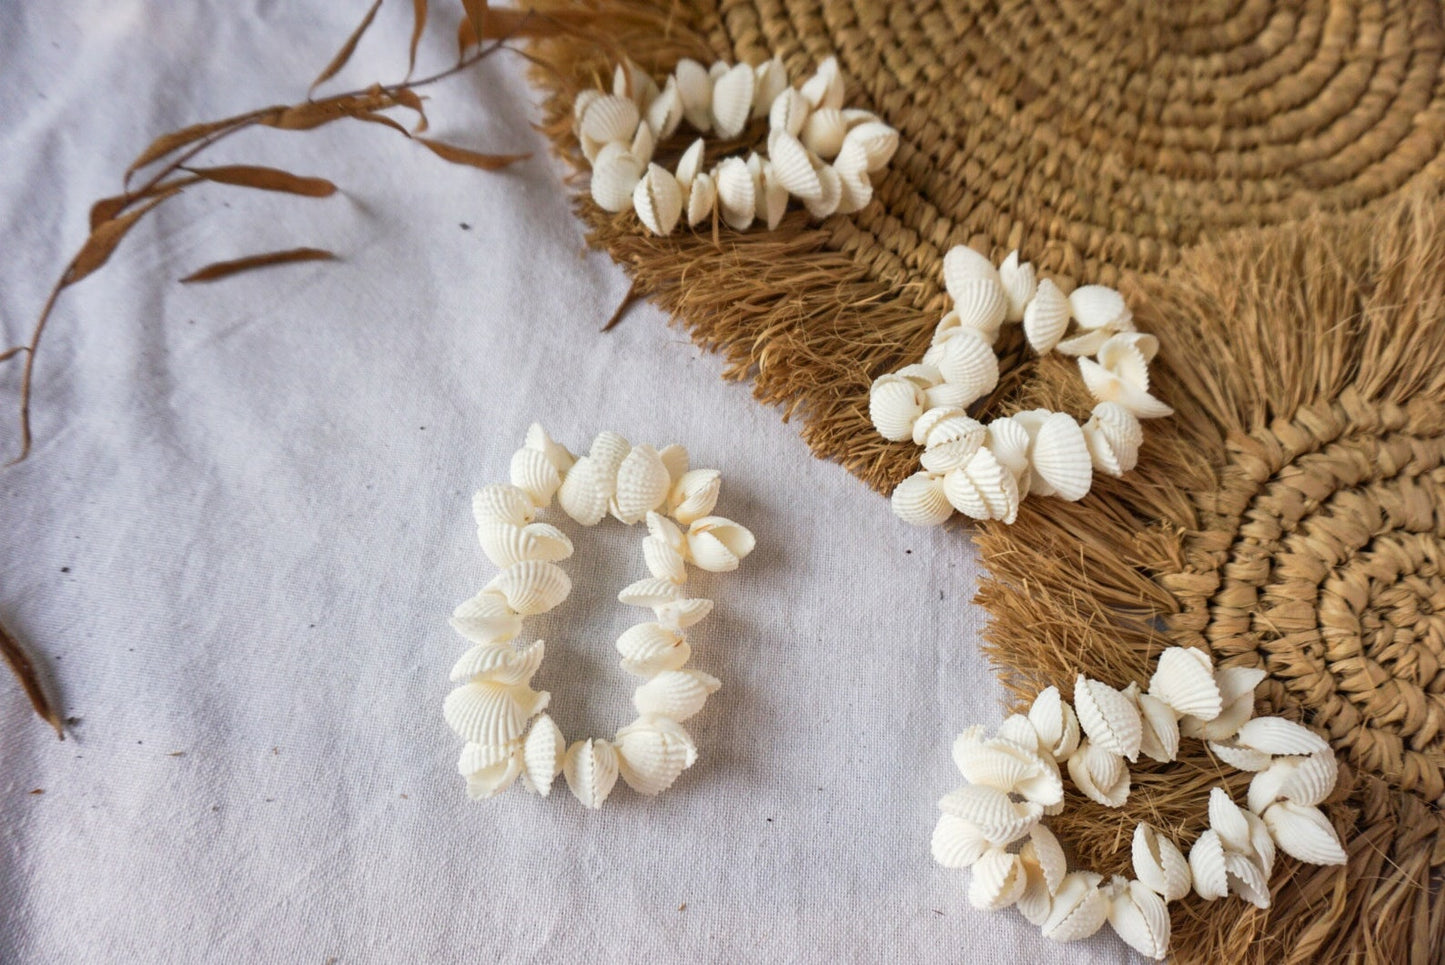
(1139, 917)
(533, 473)
(1239, 757)
(556, 453)
(1060, 456)
(832, 192)
(770, 80)
(919, 500)
(961, 264)
(1303, 780)
(642, 484)
(607, 451)
(583, 101)
(1034, 903)
(658, 200)
(1019, 284)
(999, 879)
(532, 586)
(643, 144)
(701, 199)
(664, 114)
(877, 140)
(486, 618)
(736, 193)
(966, 359)
(772, 198)
(1108, 716)
(1079, 908)
(694, 495)
(542, 754)
(651, 648)
(1009, 442)
(931, 418)
(998, 818)
(689, 166)
(590, 767)
(499, 663)
(823, 132)
(957, 843)
(792, 166)
(1184, 679)
(1043, 851)
(1275, 735)
(652, 752)
(983, 489)
(506, 544)
(1098, 306)
(676, 694)
(1054, 722)
(615, 174)
(1247, 879)
(1304, 833)
(953, 443)
(1159, 864)
(675, 458)
(481, 757)
(502, 503)
(491, 713)
(981, 304)
(856, 191)
(663, 548)
(1226, 819)
(945, 396)
(1004, 766)
(490, 781)
(825, 87)
(609, 119)
(717, 544)
(789, 112)
(694, 87)
(1236, 691)
(1046, 317)
(649, 592)
(732, 100)
(1086, 343)
(681, 614)
(1105, 386)
(1016, 729)
(1206, 866)
(923, 376)
(1127, 355)
(1101, 775)
(1159, 737)
(851, 161)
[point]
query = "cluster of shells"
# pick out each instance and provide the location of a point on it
(985, 471)
(995, 823)
(495, 709)
(819, 152)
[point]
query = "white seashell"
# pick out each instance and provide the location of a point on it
(694, 495)
(1105, 386)
(1079, 908)
(772, 198)
(1226, 819)
(1304, 833)
(615, 174)
(506, 544)
(689, 166)
(1043, 851)
(651, 648)
(610, 119)
(533, 473)
(658, 200)
(490, 781)
(1114, 436)
(1260, 842)
(945, 395)
(931, 418)
(585, 492)
(967, 359)
(683, 613)
(631, 81)
(878, 141)
(590, 767)
(1206, 866)
(981, 304)
(663, 549)
(953, 443)
(490, 713)
(650, 592)
(1098, 306)
(732, 100)
(997, 818)
(1159, 737)
(664, 114)
(1184, 679)
(1055, 724)
(823, 132)
(1086, 343)
(556, 453)
(983, 489)
(825, 87)
(1108, 717)
(717, 544)
(736, 193)
(694, 88)
(1031, 421)
(642, 484)
(481, 757)
(957, 843)
(851, 160)
(793, 167)
(1159, 864)
(1127, 355)
(532, 586)
(771, 79)
(718, 69)
(922, 376)
(652, 752)
(962, 264)
(1239, 757)
(607, 451)
(826, 204)
(999, 879)
(676, 694)
(1018, 730)
(856, 191)
(1139, 917)
(1275, 735)
(674, 457)
(1019, 284)
(1004, 766)
(789, 112)
(584, 100)
(643, 144)
(1246, 879)
(1060, 456)
(542, 754)
(486, 618)
(919, 500)
(498, 663)
(1101, 775)
(1009, 442)
(502, 503)
(1035, 901)
(1303, 780)
(1236, 692)
(701, 199)
(1045, 317)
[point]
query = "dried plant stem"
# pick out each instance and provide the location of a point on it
(19, 663)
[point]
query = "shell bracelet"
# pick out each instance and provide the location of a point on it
(818, 151)
(495, 709)
(995, 824)
(985, 471)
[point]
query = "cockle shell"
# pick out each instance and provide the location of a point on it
(1114, 436)
(1226, 819)
(1016, 729)
(652, 752)
(1019, 284)
(610, 119)
(945, 396)
(642, 484)
(966, 359)
(772, 197)
(954, 443)
(823, 132)
(919, 500)
(630, 80)
(1085, 343)
(1004, 766)
(480, 757)
(1034, 903)
(533, 473)
(827, 202)
(981, 304)
(877, 140)
(491, 780)
(717, 544)
(998, 818)
(658, 200)
(607, 452)
(1240, 757)
(701, 199)
(1101, 775)
(1060, 456)
(663, 549)
(999, 879)
(962, 264)
(1184, 679)
(585, 492)
(490, 713)
(676, 694)
(1108, 716)
(1079, 908)
(1054, 722)
(825, 87)
(615, 174)
(1159, 737)
(856, 191)
(681, 614)
(651, 648)
(532, 586)
(542, 755)
(793, 167)
(486, 618)
(1127, 355)
(643, 144)
(1303, 780)
(923, 376)
(957, 843)
(499, 663)
(1304, 833)
(556, 453)
(1260, 842)
(1046, 317)
(506, 544)
(771, 78)
(590, 767)
(689, 166)
(1275, 735)
(694, 495)
(1159, 864)
(1236, 691)
(1105, 386)
(1009, 442)
(502, 503)
(1206, 866)
(732, 100)
(583, 101)
(1246, 879)
(983, 489)
(694, 87)
(1098, 306)
(789, 112)
(736, 193)
(664, 114)
(1043, 851)
(675, 458)
(851, 160)
(1139, 917)
(930, 419)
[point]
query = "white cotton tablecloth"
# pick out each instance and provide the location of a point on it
(246, 520)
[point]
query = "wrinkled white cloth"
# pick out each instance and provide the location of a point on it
(246, 520)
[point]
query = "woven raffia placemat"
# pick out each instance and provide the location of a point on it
(1289, 516)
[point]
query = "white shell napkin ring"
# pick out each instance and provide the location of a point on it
(995, 824)
(494, 707)
(986, 471)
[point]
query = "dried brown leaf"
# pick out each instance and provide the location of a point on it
(20, 665)
(104, 237)
(418, 8)
(511, 22)
(266, 179)
(347, 49)
(409, 99)
(476, 15)
(382, 119)
(13, 351)
(107, 208)
(466, 38)
(225, 269)
(174, 141)
(460, 155)
(304, 117)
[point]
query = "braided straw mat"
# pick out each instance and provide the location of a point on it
(1258, 178)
